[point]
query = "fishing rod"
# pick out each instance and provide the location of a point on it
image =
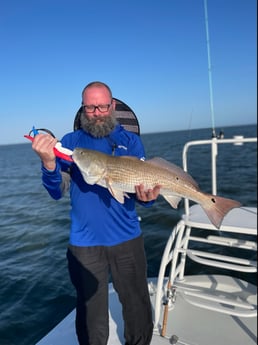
(209, 68)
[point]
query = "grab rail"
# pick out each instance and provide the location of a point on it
(214, 142)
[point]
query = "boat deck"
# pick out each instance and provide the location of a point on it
(187, 323)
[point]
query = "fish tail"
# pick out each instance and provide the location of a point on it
(218, 207)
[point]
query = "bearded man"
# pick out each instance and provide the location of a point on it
(105, 235)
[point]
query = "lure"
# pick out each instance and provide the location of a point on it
(59, 150)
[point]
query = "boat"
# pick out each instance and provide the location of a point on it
(204, 308)
(207, 308)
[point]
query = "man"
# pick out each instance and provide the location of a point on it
(105, 235)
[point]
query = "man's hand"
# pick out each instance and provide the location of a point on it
(147, 195)
(43, 145)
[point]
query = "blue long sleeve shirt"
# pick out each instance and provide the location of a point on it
(96, 217)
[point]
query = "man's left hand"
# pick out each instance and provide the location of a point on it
(147, 195)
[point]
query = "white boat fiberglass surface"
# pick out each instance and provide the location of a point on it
(201, 309)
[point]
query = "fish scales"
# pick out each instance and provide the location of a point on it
(133, 172)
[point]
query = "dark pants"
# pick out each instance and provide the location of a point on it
(89, 269)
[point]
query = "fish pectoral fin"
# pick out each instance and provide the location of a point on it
(173, 200)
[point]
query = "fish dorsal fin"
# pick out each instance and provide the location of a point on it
(175, 169)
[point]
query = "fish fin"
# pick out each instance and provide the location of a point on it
(117, 194)
(175, 169)
(126, 195)
(218, 207)
(173, 200)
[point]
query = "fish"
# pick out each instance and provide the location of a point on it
(120, 175)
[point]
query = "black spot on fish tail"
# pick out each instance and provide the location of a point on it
(217, 207)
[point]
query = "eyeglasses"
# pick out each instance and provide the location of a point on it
(101, 107)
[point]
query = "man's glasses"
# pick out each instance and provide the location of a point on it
(101, 107)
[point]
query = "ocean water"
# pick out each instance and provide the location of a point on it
(35, 290)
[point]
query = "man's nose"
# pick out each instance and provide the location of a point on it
(96, 112)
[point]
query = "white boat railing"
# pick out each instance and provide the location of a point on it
(213, 142)
(238, 232)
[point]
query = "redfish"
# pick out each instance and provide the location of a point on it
(120, 175)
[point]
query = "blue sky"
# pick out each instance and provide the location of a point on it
(153, 55)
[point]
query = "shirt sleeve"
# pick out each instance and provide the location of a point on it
(57, 181)
(52, 181)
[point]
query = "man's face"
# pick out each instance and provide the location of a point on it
(98, 118)
(97, 96)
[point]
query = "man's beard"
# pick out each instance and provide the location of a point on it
(99, 126)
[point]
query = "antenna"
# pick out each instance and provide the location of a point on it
(209, 69)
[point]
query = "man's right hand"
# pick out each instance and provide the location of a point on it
(43, 145)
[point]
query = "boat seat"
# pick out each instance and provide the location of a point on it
(222, 261)
(235, 221)
(198, 234)
(222, 294)
(232, 223)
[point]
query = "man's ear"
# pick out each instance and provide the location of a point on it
(113, 104)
